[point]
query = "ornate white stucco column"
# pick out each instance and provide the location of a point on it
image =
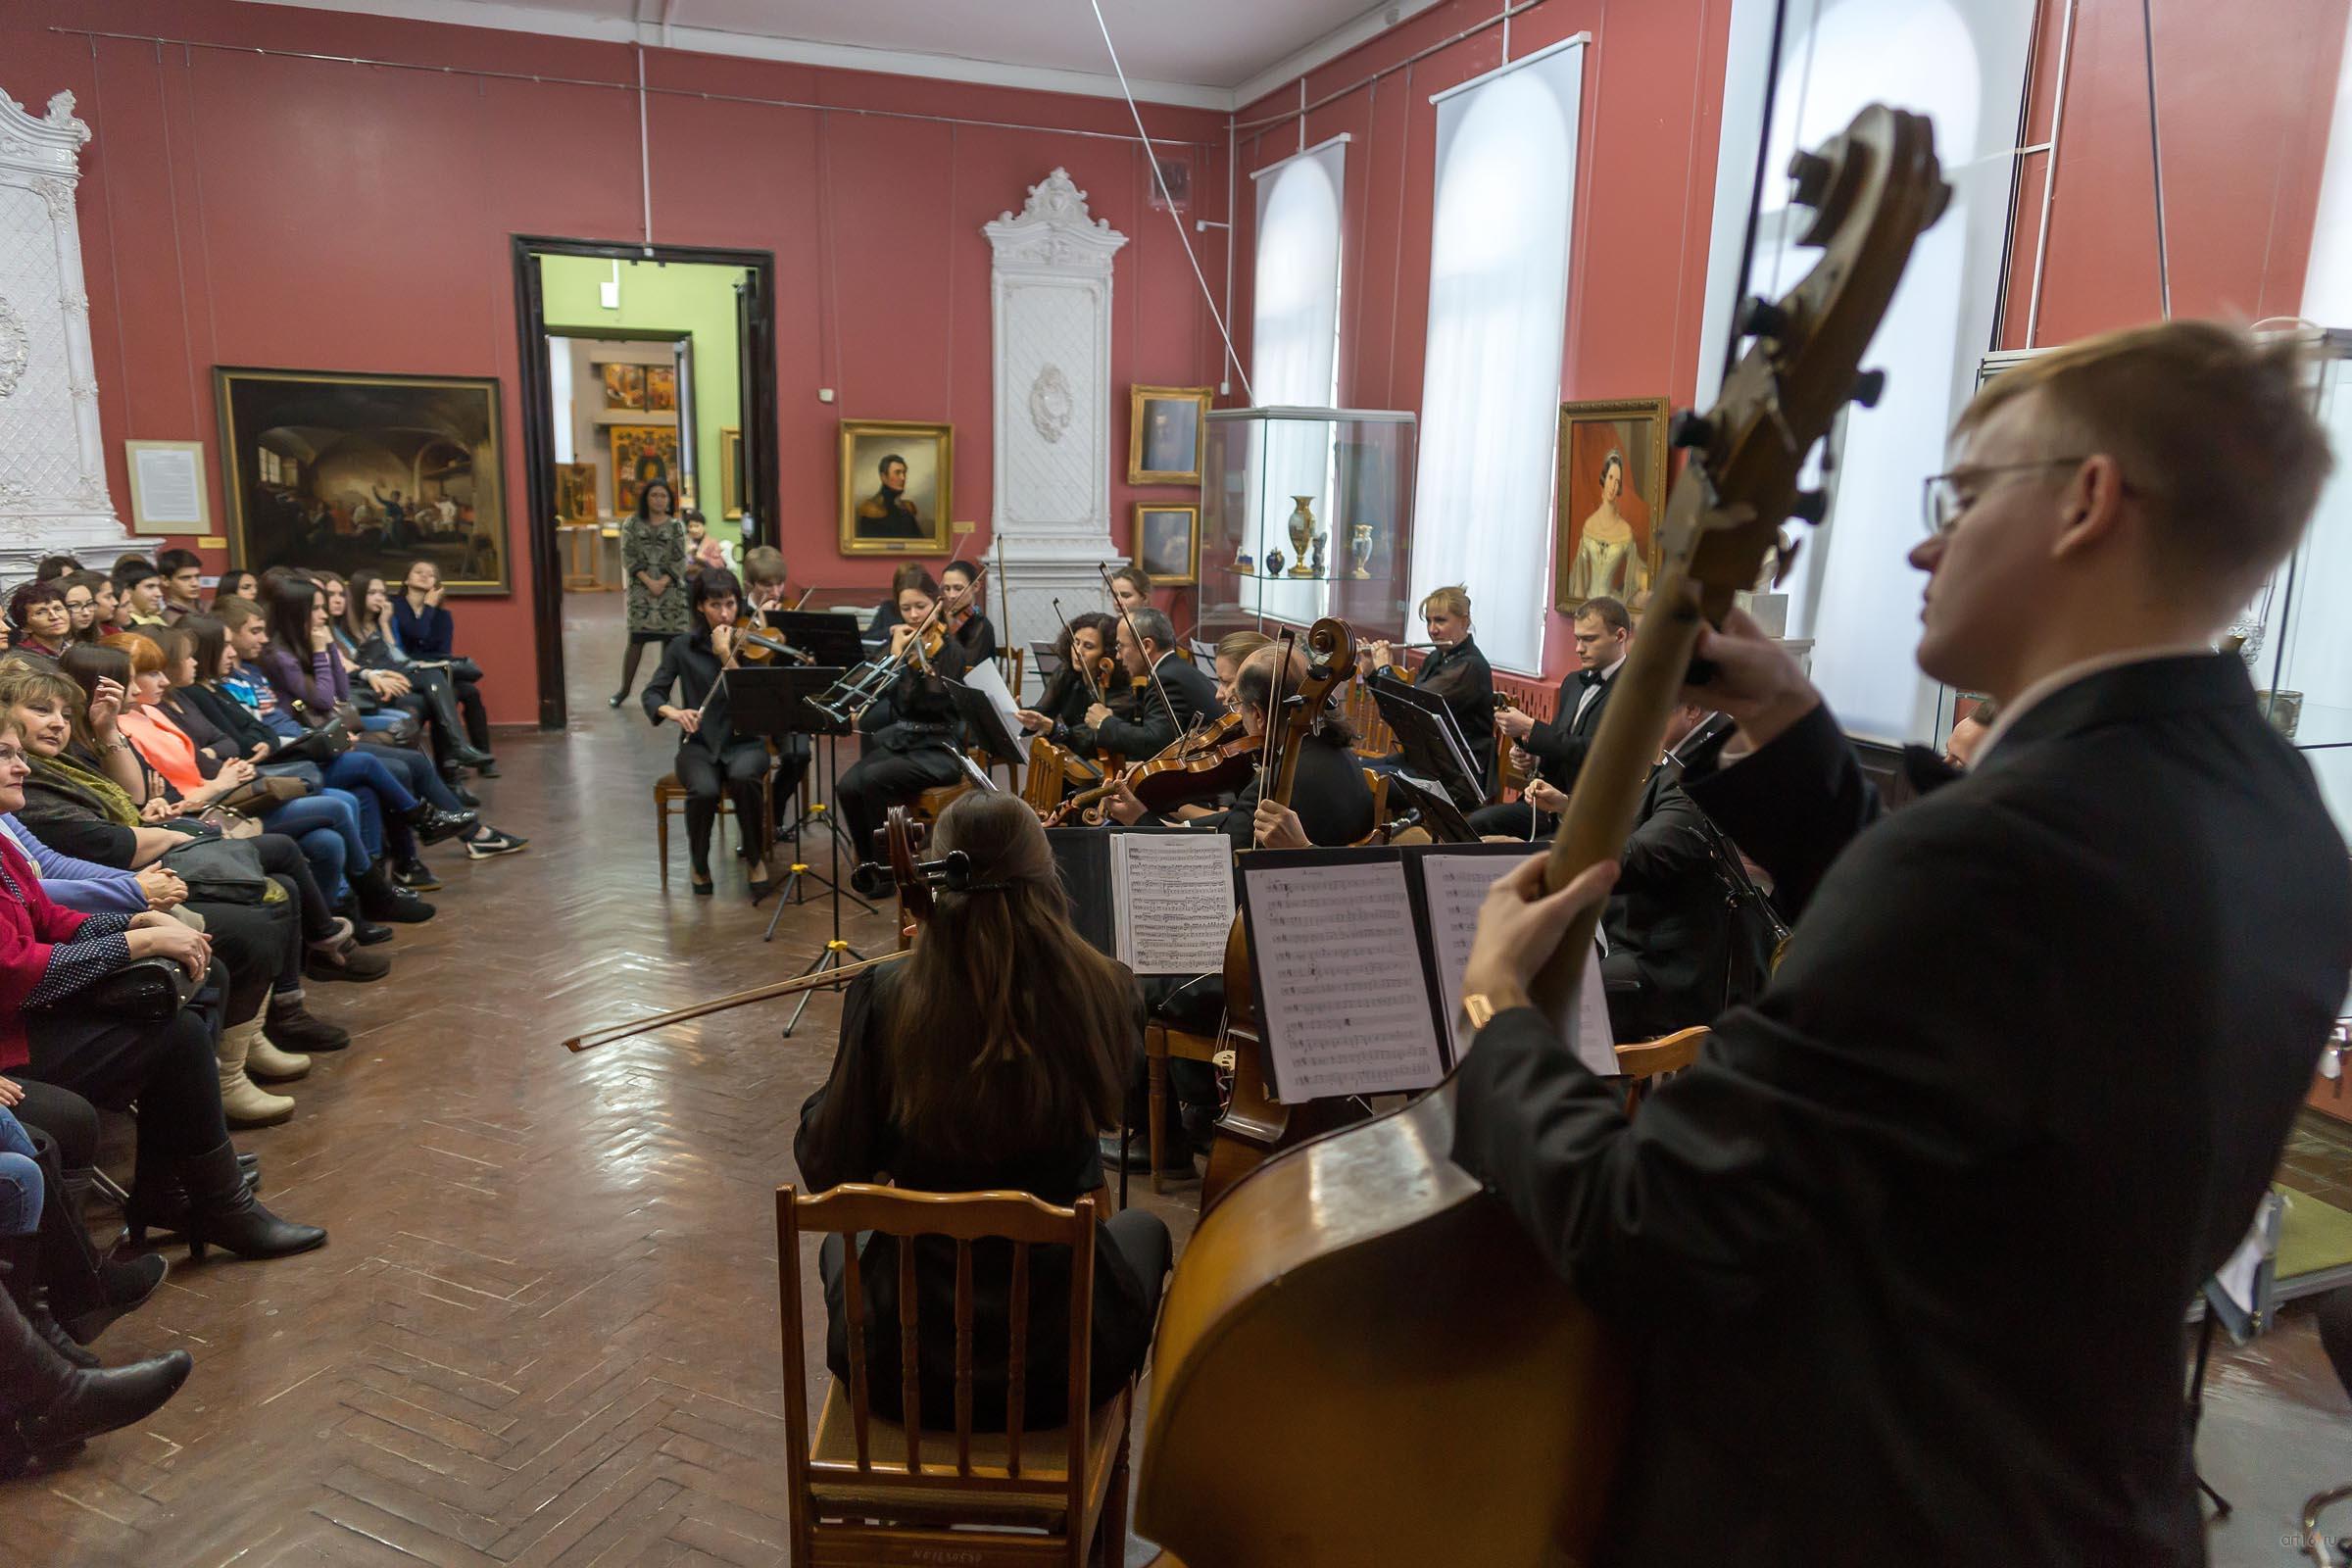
(52, 460)
(1050, 289)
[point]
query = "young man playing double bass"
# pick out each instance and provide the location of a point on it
(1902, 1265)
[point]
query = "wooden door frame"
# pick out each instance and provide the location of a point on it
(539, 429)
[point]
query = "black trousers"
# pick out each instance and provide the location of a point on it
(739, 774)
(1196, 1004)
(282, 859)
(259, 945)
(168, 1068)
(1510, 818)
(880, 780)
(477, 717)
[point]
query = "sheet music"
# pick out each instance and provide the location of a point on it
(1346, 1007)
(1172, 894)
(985, 678)
(1455, 886)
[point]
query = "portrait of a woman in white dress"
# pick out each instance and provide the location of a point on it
(1608, 558)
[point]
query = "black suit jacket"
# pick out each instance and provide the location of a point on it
(1559, 746)
(1328, 792)
(1191, 691)
(1669, 920)
(1461, 678)
(1903, 1258)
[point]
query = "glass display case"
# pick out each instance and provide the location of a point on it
(1306, 513)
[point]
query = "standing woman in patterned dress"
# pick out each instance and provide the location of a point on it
(653, 552)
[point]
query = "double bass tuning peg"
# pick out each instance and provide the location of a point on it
(1689, 428)
(1869, 385)
(1811, 506)
(1761, 318)
(1811, 171)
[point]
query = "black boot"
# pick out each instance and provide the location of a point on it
(123, 1287)
(291, 1027)
(466, 756)
(381, 899)
(50, 1406)
(19, 1257)
(452, 778)
(431, 824)
(221, 1211)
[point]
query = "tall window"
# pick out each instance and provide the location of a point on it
(1497, 309)
(1295, 350)
(1962, 63)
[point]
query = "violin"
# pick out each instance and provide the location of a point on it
(1205, 762)
(754, 644)
(1425, 1307)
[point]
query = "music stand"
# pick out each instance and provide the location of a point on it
(1430, 740)
(765, 700)
(987, 724)
(1439, 815)
(827, 637)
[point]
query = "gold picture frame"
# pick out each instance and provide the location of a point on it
(1159, 420)
(1624, 559)
(730, 461)
(575, 493)
(915, 521)
(1172, 564)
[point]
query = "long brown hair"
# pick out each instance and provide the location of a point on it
(1008, 1032)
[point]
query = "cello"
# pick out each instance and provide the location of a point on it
(1255, 1126)
(1362, 1284)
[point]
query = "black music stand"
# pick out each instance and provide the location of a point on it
(1430, 741)
(987, 727)
(765, 701)
(827, 637)
(1442, 819)
(796, 688)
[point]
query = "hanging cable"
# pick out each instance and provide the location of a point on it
(2164, 267)
(1755, 198)
(1152, 151)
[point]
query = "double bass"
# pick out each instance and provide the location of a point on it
(1362, 1286)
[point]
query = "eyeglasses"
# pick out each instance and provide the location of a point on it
(1944, 503)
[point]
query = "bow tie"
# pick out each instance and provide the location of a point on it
(1590, 677)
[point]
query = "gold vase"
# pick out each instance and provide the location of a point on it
(1302, 533)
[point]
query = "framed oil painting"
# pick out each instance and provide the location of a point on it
(661, 388)
(896, 488)
(1165, 432)
(1167, 542)
(730, 473)
(348, 472)
(641, 454)
(624, 385)
(1611, 498)
(576, 492)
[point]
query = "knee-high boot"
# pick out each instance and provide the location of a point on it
(243, 1102)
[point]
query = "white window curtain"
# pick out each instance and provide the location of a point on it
(559, 391)
(1294, 354)
(1507, 151)
(1963, 64)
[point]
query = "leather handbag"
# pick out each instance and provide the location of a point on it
(261, 794)
(323, 744)
(142, 991)
(221, 871)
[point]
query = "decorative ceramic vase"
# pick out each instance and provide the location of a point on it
(1321, 541)
(1360, 550)
(1302, 534)
(1274, 561)
(1243, 565)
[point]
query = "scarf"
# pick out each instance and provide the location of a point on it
(78, 783)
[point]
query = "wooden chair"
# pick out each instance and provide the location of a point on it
(1160, 1042)
(1648, 1061)
(669, 800)
(864, 1490)
(1040, 787)
(1378, 784)
(932, 802)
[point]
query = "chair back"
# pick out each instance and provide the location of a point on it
(1648, 1061)
(1026, 1223)
(1012, 658)
(1378, 783)
(1040, 787)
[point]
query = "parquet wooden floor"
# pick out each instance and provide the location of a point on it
(545, 1331)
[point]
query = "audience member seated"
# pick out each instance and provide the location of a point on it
(311, 683)
(425, 631)
(138, 594)
(86, 1292)
(369, 636)
(936, 1088)
(76, 802)
(90, 595)
(182, 573)
(40, 624)
(53, 567)
(701, 551)
(187, 1180)
(237, 585)
(712, 758)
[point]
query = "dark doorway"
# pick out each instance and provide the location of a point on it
(757, 481)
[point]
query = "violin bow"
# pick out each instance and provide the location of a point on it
(701, 1009)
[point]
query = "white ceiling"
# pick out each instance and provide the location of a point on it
(1211, 53)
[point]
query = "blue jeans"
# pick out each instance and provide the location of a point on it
(20, 1180)
(327, 826)
(417, 771)
(364, 771)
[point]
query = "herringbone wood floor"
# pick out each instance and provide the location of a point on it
(546, 1329)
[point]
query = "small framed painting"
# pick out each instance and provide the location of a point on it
(642, 454)
(576, 492)
(1612, 494)
(1167, 542)
(730, 473)
(625, 386)
(661, 388)
(896, 488)
(1165, 427)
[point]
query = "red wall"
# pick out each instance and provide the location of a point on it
(240, 209)
(1645, 181)
(2242, 112)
